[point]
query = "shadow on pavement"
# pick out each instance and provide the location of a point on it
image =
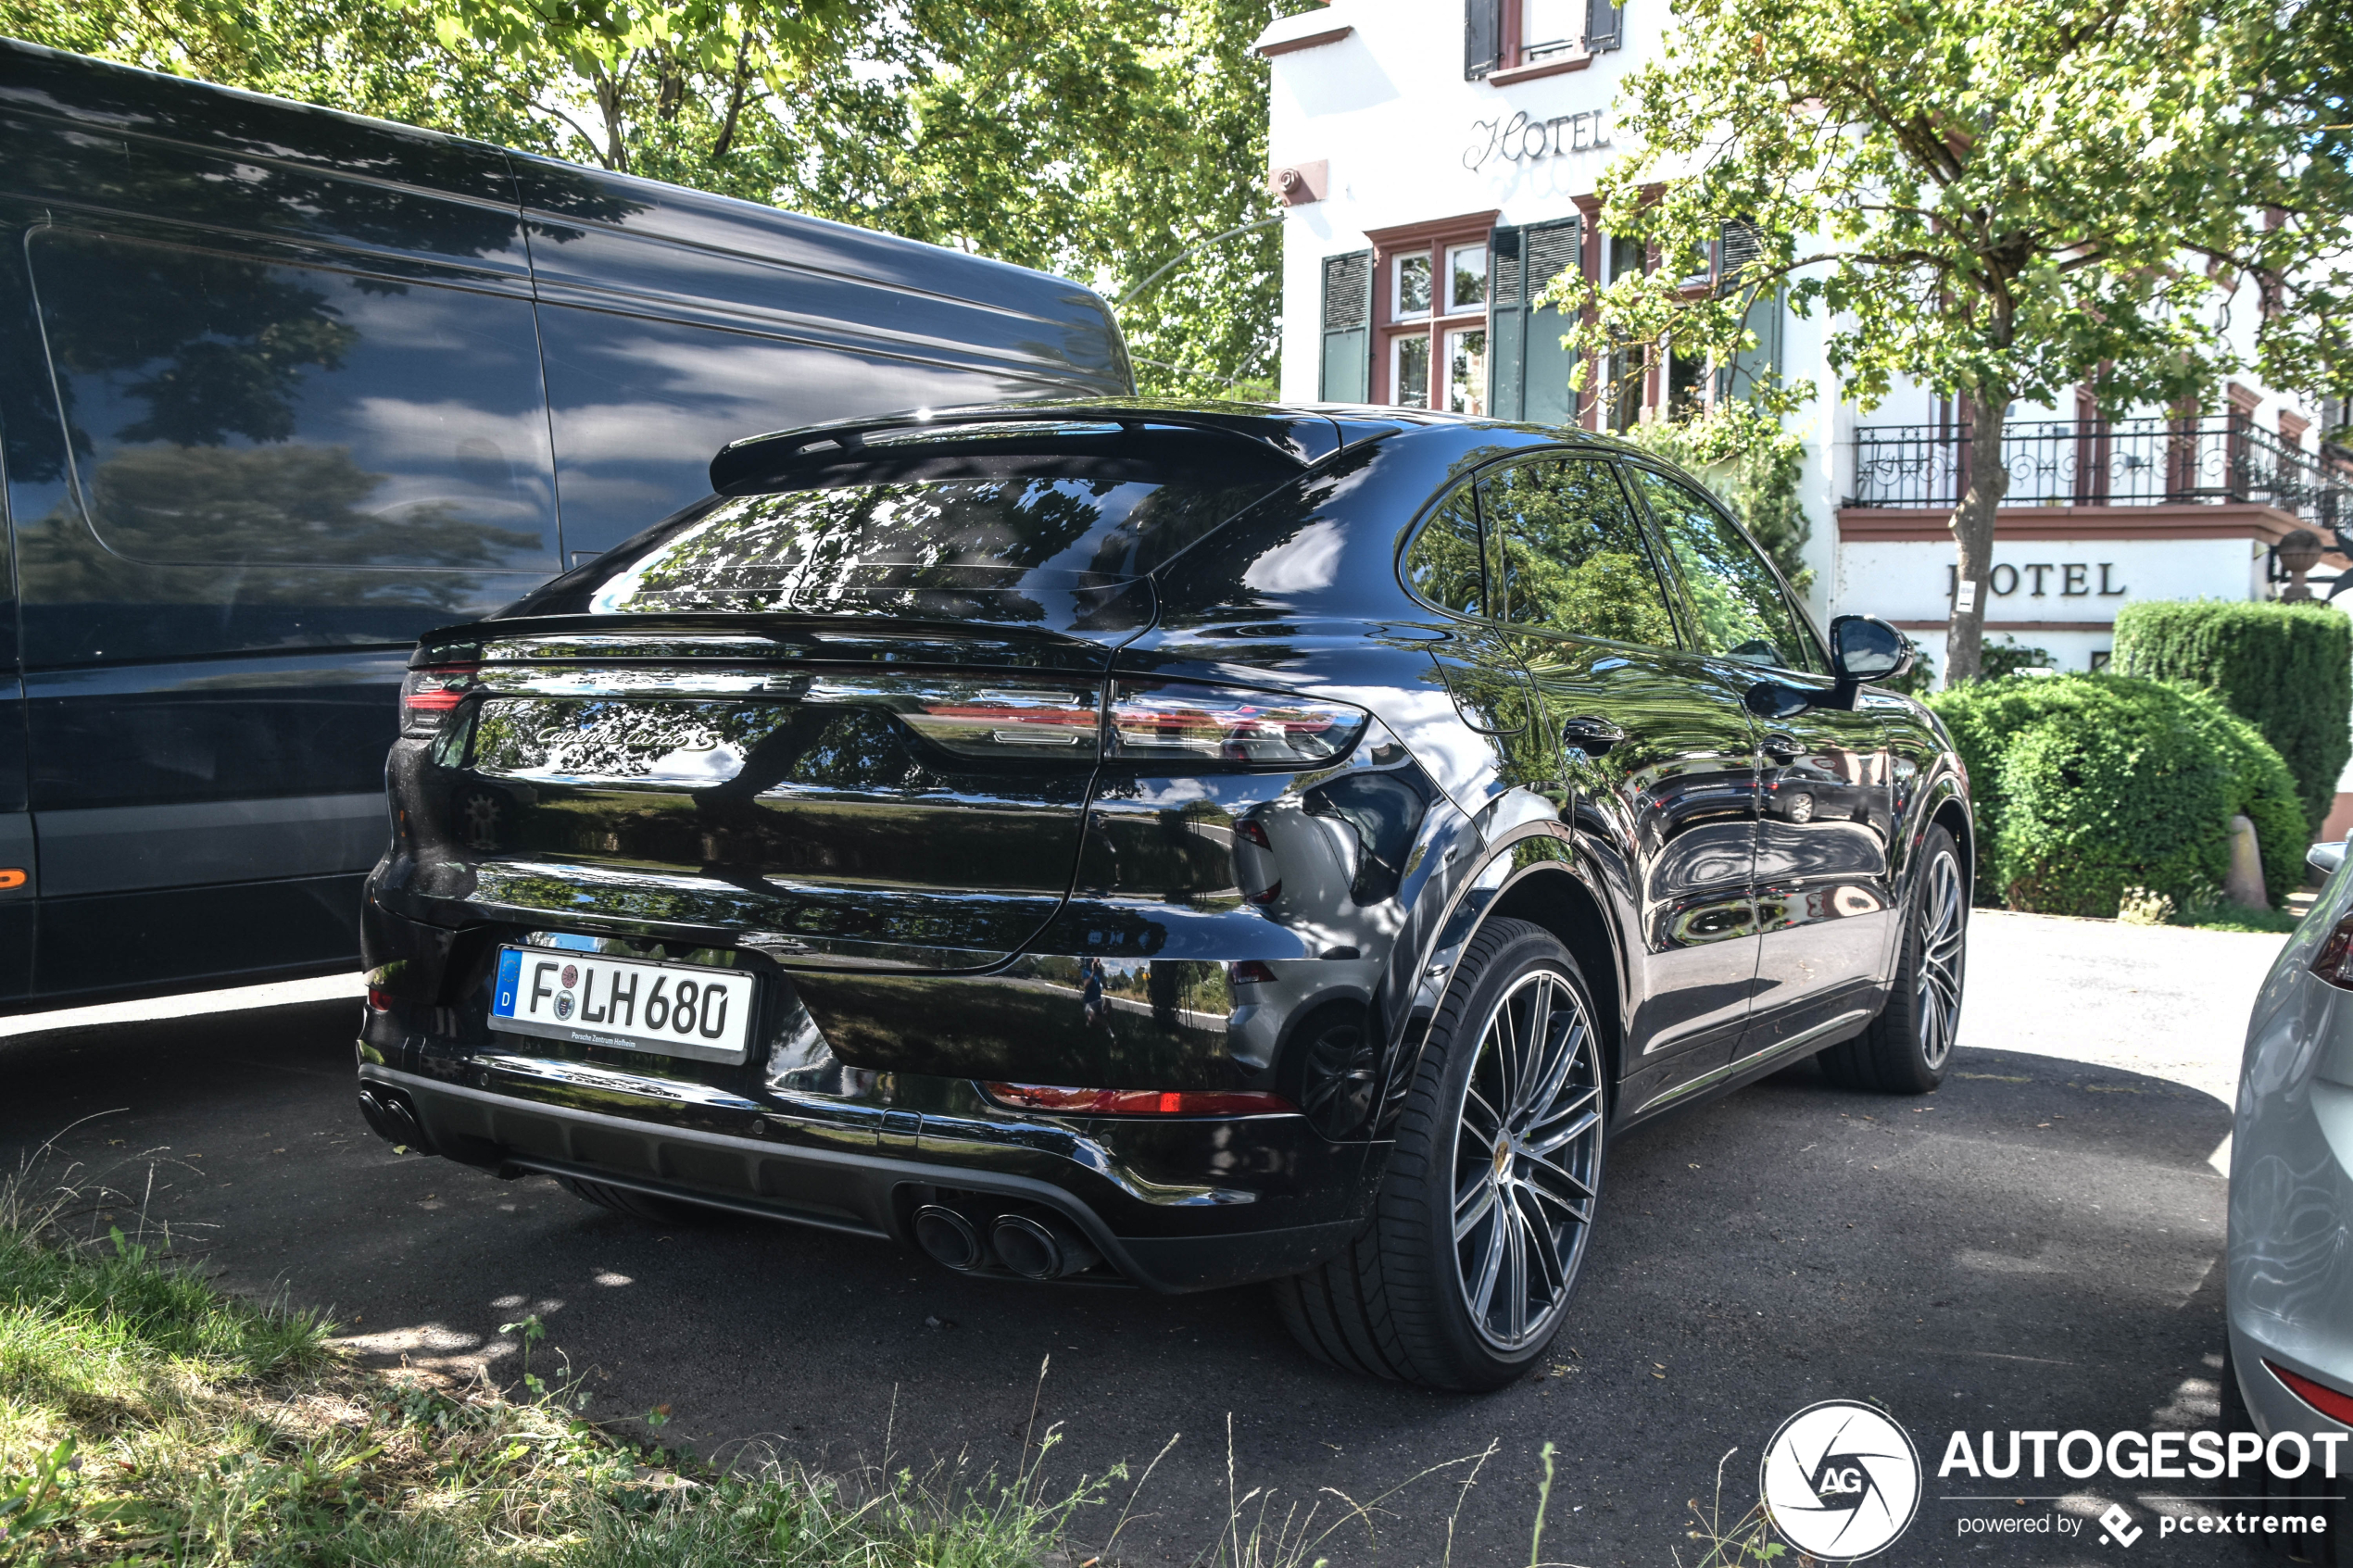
(2035, 1246)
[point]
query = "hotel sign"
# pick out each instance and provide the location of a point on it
(1525, 140)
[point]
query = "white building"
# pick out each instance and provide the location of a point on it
(1441, 160)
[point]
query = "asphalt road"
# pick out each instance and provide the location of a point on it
(2036, 1246)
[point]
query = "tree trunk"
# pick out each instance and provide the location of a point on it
(726, 138)
(1973, 526)
(609, 107)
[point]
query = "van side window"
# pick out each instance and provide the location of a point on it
(225, 411)
(1442, 563)
(1570, 555)
(1743, 614)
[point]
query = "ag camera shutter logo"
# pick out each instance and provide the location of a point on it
(1841, 1481)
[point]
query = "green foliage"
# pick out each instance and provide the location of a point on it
(2263, 788)
(2003, 656)
(2088, 786)
(1752, 462)
(2011, 260)
(1096, 140)
(2285, 669)
(1986, 198)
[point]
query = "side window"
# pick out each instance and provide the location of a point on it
(223, 411)
(1568, 555)
(1742, 611)
(1442, 564)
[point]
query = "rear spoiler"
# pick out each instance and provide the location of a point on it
(1299, 437)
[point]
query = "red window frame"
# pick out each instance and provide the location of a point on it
(1434, 240)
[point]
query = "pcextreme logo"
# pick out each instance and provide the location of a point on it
(1841, 1481)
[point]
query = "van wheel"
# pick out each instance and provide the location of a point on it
(627, 1200)
(1907, 1048)
(1487, 1201)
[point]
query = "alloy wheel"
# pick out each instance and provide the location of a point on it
(1944, 927)
(1526, 1161)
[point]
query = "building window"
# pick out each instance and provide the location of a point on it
(1466, 278)
(1413, 287)
(1466, 370)
(1536, 36)
(1432, 314)
(1409, 370)
(1549, 26)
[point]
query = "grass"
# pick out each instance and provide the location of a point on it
(147, 1417)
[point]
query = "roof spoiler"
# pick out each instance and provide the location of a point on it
(1302, 438)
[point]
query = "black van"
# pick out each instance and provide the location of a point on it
(282, 388)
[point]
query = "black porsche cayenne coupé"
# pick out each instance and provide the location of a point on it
(1178, 844)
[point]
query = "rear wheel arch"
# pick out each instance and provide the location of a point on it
(1558, 900)
(1953, 818)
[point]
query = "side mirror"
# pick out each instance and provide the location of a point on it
(2326, 858)
(1864, 648)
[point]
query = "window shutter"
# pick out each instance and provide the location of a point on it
(1741, 244)
(1348, 328)
(1753, 368)
(1546, 398)
(1506, 323)
(1482, 37)
(1604, 25)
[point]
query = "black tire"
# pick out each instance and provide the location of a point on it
(1506, 1196)
(627, 1200)
(1908, 1047)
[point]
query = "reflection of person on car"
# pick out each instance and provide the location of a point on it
(1090, 974)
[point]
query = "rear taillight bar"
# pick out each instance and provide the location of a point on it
(1061, 1101)
(1166, 724)
(1176, 722)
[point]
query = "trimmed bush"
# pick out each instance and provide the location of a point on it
(2285, 669)
(2086, 786)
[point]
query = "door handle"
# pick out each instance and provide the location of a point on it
(1590, 735)
(1781, 746)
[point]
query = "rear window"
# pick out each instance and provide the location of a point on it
(1012, 525)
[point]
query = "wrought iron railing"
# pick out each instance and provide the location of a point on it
(2106, 463)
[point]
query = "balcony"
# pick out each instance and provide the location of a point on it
(2109, 476)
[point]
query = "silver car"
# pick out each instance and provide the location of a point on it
(2291, 1225)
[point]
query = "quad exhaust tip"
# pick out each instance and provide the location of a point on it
(1041, 1246)
(948, 1237)
(1033, 1244)
(390, 1118)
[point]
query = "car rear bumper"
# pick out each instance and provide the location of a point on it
(842, 1170)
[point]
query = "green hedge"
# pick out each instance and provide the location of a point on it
(2285, 669)
(2085, 786)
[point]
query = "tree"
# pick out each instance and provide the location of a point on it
(1087, 137)
(1996, 200)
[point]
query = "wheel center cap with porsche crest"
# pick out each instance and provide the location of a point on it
(1841, 1481)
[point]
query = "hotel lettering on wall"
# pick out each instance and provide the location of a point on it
(1522, 139)
(2042, 580)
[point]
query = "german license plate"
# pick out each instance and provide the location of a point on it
(629, 1004)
